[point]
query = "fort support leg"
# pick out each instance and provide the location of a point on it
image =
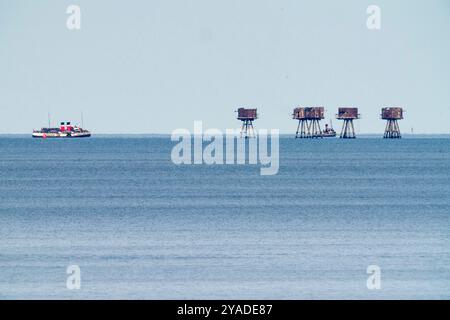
(386, 130)
(344, 130)
(392, 130)
(244, 130)
(303, 132)
(247, 130)
(348, 129)
(353, 135)
(318, 130)
(252, 129)
(397, 130)
(308, 129)
(298, 128)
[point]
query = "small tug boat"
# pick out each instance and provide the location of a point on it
(66, 130)
(329, 131)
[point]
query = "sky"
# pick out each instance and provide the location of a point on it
(155, 66)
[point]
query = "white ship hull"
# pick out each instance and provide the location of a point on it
(44, 135)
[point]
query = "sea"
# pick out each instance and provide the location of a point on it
(138, 226)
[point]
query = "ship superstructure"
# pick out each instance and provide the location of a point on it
(65, 130)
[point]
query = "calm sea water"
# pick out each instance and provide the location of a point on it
(140, 227)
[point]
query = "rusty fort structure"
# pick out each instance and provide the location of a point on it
(247, 116)
(392, 115)
(348, 115)
(309, 122)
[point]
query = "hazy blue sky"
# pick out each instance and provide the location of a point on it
(153, 66)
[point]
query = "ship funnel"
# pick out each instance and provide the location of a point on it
(62, 127)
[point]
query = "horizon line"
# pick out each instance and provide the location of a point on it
(169, 134)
